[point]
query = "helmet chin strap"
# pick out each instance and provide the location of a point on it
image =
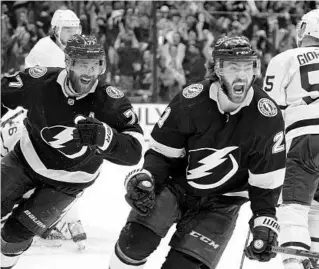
(57, 34)
(59, 43)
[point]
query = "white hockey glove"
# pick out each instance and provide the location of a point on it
(265, 232)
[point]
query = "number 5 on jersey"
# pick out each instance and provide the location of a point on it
(269, 81)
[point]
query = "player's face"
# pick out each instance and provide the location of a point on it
(83, 74)
(237, 77)
(67, 32)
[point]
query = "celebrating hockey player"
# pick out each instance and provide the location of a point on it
(73, 124)
(49, 52)
(292, 81)
(218, 143)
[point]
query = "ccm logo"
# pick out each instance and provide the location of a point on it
(204, 239)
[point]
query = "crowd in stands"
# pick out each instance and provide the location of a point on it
(186, 32)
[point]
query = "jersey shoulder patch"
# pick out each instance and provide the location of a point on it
(37, 71)
(192, 90)
(114, 92)
(267, 107)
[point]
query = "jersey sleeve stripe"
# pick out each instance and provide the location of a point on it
(303, 123)
(238, 193)
(166, 150)
(299, 132)
(295, 114)
(36, 164)
(270, 180)
(139, 137)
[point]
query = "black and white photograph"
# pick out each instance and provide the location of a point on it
(159, 134)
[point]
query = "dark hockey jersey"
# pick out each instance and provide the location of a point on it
(208, 152)
(48, 146)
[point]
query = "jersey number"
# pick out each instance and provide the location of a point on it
(16, 84)
(269, 83)
(130, 114)
(278, 143)
(305, 74)
(12, 130)
(164, 117)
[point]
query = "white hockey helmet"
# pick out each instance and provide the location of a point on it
(308, 26)
(64, 18)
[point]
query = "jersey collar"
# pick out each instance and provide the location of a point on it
(68, 90)
(223, 103)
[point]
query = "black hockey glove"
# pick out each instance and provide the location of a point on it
(265, 232)
(91, 132)
(140, 193)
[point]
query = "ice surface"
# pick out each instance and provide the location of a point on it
(103, 214)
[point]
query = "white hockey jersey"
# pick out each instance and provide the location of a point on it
(11, 129)
(45, 53)
(292, 80)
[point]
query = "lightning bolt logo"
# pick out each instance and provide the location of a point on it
(62, 135)
(61, 138)
(208, 163)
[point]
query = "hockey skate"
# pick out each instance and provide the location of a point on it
(53, 239)
(63, 232)
(293, 263)
(314, 263)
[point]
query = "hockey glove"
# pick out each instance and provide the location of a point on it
(140, 193)
(91, 132)
(265, 232)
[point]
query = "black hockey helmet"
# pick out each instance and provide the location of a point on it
(235, 48)
(85, 47)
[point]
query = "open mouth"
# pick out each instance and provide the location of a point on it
(85, 80)
(239, 88)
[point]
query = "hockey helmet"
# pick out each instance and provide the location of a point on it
(308, 26)
(234, 48)
(64, 18)
(85, 47)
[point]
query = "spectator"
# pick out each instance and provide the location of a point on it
(172, 75)
(186, 33)
(194, 64)
(129, 62)
(142, 31)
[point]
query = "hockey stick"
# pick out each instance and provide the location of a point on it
(243, 256)
(295, 252)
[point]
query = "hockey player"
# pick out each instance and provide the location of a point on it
(292, 81)
(49, 52)
(73, 124)
(219, 143)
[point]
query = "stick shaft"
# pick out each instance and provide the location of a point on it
(241, 266)
(296, 252)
